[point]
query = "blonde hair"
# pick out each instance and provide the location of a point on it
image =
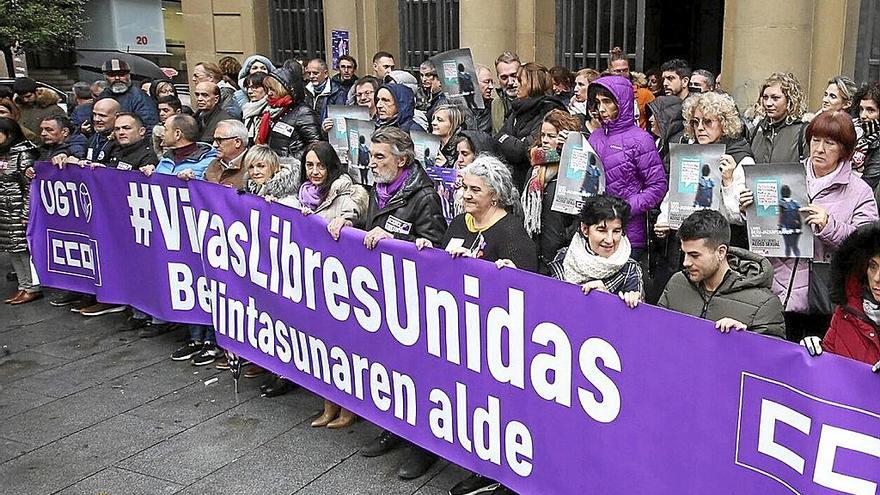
(261, 153)
(453, 114)
(715, 105)
(589, 74)
(796, 99)
(275, 85)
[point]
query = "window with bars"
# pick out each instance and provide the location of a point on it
(296, 29)
(586, 30)
(868, 47)
(427, 27)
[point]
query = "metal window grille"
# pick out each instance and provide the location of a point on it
(868, 48)
(297, 29)
(586, 30)
(427, 27)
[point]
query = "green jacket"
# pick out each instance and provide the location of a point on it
(743, 295)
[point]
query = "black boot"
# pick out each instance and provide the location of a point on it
(416, 463)
(382, 444)
(280, 388)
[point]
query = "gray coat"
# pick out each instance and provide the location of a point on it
(743, 295)
(14, 191)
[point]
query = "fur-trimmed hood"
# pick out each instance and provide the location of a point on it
(45, 98)
(850, 262)
(281, 185)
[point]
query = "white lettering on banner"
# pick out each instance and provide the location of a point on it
(66, 199)
(830, 440)
(772, 413)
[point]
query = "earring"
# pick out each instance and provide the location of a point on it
(494, 203)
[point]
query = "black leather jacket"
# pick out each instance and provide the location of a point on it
(293, 130)
(413, 212)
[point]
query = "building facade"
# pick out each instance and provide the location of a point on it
(745, 39)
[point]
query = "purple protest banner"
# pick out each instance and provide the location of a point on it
(517, 376)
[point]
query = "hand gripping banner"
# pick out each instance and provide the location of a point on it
(516, 376)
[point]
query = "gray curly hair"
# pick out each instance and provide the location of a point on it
(496, 175)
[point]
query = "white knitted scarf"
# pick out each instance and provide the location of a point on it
(581, 264)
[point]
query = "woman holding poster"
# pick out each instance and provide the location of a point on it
(711, 118)
(598, 257)
(840, 202)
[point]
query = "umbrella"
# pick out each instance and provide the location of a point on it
(140, 67)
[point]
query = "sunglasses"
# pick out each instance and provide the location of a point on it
(695, 123)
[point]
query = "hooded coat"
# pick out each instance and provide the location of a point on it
(744, 295)
(633, 168)
(282, 186)
(778, 143)
(414, 211)
(481, 142)
(297, 126)
(850, 203)
(240, 96)
(45, 105)
(14, 204)
(519, 130)
(405, 100)
(851, 333)
(667, 112)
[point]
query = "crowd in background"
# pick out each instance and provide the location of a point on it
(262, 128)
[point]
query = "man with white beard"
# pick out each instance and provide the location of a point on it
(131, 99)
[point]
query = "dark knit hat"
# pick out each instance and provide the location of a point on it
(24, 85)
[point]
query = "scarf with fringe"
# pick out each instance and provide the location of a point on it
(545, 166)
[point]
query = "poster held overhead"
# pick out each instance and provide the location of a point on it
(776, 226)
(581, 175)
(455, 68)
(446, 185)
(694, 180)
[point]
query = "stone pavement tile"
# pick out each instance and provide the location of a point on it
(14, 400)
(24, 364)
(49, 422)
(286, 463)
(83, 373)
(198, 402)
(362, 476)
(208, 446)
(89, 340)
(78, 456)
(10, 449)
(117, 481)
(449, 476)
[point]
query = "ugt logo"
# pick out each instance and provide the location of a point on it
(808, 444)
(66, 199)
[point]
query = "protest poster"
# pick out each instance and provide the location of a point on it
(455, 68)
(359, 132)
(694, 180)
(338, 135)
(776, 227)
(580, 175)
(339, 41)
(427, 147)
(446, 185)
(516, 376)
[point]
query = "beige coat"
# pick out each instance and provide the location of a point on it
(345, 199)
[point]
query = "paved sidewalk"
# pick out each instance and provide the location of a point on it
(87, 409)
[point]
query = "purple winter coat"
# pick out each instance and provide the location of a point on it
(850, 203)
(633, 168)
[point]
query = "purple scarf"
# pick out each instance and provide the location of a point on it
(310, 195)
(384, 192)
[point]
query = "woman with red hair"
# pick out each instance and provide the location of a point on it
(840, 202)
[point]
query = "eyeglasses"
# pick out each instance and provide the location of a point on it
(365, 94)
(219, 140)
(695, 123)
(428, 75)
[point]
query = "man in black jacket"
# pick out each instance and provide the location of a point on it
(130, 150)
(403, 205)
(60, 141)
(210, 111)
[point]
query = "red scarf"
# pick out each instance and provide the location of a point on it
(266, 119)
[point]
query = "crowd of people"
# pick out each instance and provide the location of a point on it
(262, 128)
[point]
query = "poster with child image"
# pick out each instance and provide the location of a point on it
(455, 68)
(359, 132)
(775, 223)
(338, 135)
(580, 175)
(427, 147)
(694, 180)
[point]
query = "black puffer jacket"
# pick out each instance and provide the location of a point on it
(297, 126)
(132, 156)
(518, 133)
(14, 204)
(667, 112)
(413, 212)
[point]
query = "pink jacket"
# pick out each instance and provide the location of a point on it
(850, 203)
